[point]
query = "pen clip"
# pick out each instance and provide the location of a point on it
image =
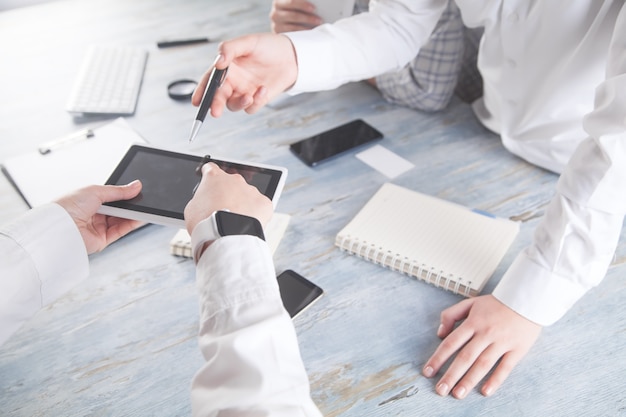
(48, 147)
(223, 77)
(213, 83)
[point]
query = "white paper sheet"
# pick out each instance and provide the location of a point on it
(385, 161)
(44, 178)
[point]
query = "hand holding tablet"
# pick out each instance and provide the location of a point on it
(170, 178)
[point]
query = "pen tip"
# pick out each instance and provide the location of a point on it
(194, 130)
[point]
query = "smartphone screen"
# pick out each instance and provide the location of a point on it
(297, 292)
(333, 142)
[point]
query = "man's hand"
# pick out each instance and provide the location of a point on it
(98, 230)
(293, 15)
(260, 67)
(491, 335)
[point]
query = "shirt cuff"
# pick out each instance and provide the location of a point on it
(310, 71)
(536, 293)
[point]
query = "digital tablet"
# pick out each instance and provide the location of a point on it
(169, 181)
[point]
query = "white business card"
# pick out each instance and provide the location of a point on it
(385, 161)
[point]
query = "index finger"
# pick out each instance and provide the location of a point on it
(211, 167)
(446, 349)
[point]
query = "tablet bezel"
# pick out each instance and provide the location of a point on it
(131, 210)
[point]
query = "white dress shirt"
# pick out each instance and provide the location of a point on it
(253, 365)
(554, 77)
(42, 256)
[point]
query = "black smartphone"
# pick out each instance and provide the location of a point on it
(333, 142)
(297, 292)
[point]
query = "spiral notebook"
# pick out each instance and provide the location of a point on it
(442, 243)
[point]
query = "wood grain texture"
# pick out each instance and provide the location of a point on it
(123, 343)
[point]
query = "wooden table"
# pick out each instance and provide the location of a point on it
(123, 343)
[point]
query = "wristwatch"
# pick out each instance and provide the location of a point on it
(223, 223)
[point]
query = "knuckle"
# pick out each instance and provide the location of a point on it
(504, 368)
(483, 362)
(447, 344)
(465, 356)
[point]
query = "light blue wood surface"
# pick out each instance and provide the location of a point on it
(123, 343)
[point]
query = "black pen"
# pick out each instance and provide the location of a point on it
(181, 42)
(215, 80)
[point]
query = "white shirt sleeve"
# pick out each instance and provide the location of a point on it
(575, 241)
(253, 365)
(364, 45)
(42, 256)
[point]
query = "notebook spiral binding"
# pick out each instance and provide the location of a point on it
(397, 263)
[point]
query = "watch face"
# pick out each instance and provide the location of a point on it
(237, 224)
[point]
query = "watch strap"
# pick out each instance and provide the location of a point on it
(223, 223)
(205, 231)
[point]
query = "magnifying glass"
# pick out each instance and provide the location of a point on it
(181, 89)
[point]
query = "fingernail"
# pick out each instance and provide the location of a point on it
(428, 371)
(442, 389)
(460, 392)
(487, 390)
(440, 329)
(218, 58)
(133, 183)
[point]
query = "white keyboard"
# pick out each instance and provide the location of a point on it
(108, 81)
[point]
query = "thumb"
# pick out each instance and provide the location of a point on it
(108, 193)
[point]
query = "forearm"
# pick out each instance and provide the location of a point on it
(364, 45)
(253, 364)
(575, 242)
(428, 82)
(42, 256)
(571, 251)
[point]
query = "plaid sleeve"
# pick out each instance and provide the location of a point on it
(428, 82)
(470, 84)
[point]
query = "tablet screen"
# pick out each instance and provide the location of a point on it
(169, 179)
